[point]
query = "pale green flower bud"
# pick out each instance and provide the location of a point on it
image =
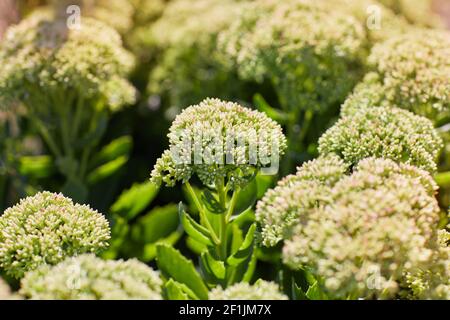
(89, 277)
(389, 133)
(261, 290)
(47, 228)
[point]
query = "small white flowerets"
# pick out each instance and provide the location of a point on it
(89, 277)
(47, 228)
(218, 139)
(261, 290)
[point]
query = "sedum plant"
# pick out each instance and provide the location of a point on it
(225, 146)
(70, 80)
(390, 133)
(409, 71)
(312, 56)
(45, 229)
(87, 277)
(190, 69)
(377, 225)
(261, 290)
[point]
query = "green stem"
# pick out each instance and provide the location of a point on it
(45, 134)
(223, 219)
(232, 204)
(203, 217)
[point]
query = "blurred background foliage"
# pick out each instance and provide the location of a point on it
(176, 45)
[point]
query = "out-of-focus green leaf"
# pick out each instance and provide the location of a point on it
(36, 166)
(149, 250)
(106, 170)
(134, 200)
(263, 183)
(119, 231)
(115, 149)
(262, 105)
(246, 197)
(75, 190)
(174, 265)
(158, 223)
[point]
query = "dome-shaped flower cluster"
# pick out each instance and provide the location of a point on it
(418, 12)
(45, 229)
(190, 68)
(261, 290)
(383, 132)
(218, 139)
(296, 196)
(410, 71)
(380, 225)
(310, 53)
(45, 62)
(88, 277)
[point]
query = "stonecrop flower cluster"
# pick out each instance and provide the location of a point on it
(47, 228)
(87, 277)
(408, 71)
(309, 52)
(45, 63)
(383, 132)
(361, 233)
(261, 290)
(217, 139)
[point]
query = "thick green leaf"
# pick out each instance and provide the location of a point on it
(149, 250)
(248, 275)
(174, 265)
(211, 203)
(213, 270)
(36, 166)
(106, 170)
(245, 250)
(263, 183)
(178, 291)
(132, 201)
(315, 293)
(115, 149)
(297, 292)
(246, 197)
(158, 223)
(248, 216)
(193, 229)
(195, 246)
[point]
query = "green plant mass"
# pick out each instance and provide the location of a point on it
(224, 150)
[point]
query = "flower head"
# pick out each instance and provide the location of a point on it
(310, 51)
(45, 63)
(217, 139)
(380, 225)
(296, 196)
(45, 229)
(89, 277)
(389, 133)
(410, 71)
(261, 290)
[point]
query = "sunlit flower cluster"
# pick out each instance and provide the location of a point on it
(45, 229)
(296, 196)
(261, 290)
(87, 277)
(44, 63)
(216, 139)
(381, 224)
(383, 132)
(410, 71)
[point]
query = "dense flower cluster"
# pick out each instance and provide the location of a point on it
(200, 137)
(47, 228)
(261, 290)
(410, 71)
(44, 63)
(309, 52)
(380, 224)
(383, 132)
(296, 196)
(88, 277)
(416, 11)
(190, 69)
